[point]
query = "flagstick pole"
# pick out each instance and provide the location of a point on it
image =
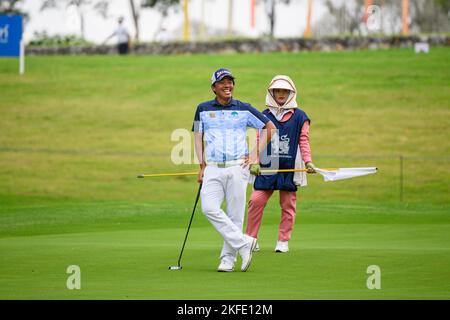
(167, 174)
(292, 170)
(151, 175)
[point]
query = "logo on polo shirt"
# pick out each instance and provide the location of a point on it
(212, 115)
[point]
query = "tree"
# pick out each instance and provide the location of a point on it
(445, 5)
(271, 13)
(429, 16)
(100, 7)
(230, 18)
(348, 15)
(135, 14)
(9, 6)
(13, 7)
(424, 16)
(162, 6)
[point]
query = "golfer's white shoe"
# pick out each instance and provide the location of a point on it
(246, 252)
(256, 247)
(282, 246)
(225, 266)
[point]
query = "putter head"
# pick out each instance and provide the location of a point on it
(175, 267)
(140, 176)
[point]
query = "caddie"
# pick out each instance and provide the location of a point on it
(291, 149)
(220, 134)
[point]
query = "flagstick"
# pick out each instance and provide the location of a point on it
(167, 174)
(292, 170)
(152, 175)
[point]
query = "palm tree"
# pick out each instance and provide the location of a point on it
(271, 10)
(230, 18)
(13, 7)
(162, 6)
(135, 15)
(100, 7)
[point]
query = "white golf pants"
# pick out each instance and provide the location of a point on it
(229, 184)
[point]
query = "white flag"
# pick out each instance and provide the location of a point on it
(345, 173)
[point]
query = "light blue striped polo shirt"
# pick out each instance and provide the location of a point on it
(225, 128)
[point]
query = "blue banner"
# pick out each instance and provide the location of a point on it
(11, 28)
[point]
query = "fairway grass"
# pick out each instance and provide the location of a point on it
(75, 132)
(125, 254)
(83, 127)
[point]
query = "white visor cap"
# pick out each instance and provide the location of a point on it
(281, 84)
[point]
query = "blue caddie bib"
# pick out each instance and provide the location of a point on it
(282, 151)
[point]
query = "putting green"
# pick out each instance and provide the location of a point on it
(330, 251)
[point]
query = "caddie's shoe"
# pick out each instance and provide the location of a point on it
(225, 266)
(256, 247)
(246, 252)
(282, 246)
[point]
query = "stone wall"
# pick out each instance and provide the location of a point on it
(253, 46)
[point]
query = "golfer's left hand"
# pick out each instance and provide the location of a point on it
(255, 169)
(311, 167)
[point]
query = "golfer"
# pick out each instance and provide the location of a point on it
(220, 127)
(292, 151)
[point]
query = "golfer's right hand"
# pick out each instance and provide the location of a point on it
(310, 167)
(200, 174)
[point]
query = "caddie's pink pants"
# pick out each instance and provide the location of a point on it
(256, 205)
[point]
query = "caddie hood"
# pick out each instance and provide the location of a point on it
(282, 82)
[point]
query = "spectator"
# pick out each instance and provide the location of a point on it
(123, 38)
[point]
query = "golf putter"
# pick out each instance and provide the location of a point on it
(178, 266)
